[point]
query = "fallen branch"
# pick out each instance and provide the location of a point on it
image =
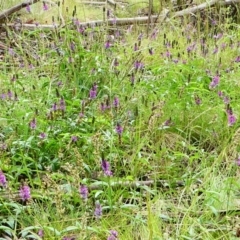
(202, 6)
(126, 21)
(5, 14)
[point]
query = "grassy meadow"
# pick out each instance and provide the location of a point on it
(119, 134)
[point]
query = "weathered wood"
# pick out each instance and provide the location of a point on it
(203, 6)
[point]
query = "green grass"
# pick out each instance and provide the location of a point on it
(176, 131)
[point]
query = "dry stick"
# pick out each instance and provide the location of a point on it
(5, 14)
(93, 3)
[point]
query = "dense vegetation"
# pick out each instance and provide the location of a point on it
(113, 133)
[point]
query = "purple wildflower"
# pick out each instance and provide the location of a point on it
(54, 107)
(107, 44)
(140, 36)
(215, 50)
(41, 233)
(138, 65)
(106, 168)
(113, 235)
(98, 210)
(45, 6)
(154, 34)
(119, 129)
(237, 60)
(42, 135)
(175, 60)
(81, 115)
(135, 47)
(103, 107)
(93, 91)
(28, 9)
(72, 46)
(168, 54)
(3, 96)
(33, 123)
(116, 102)
(11, 52)
(62, 105)
(3, 146)
(220, 94)
(25, 193)
(226, 100)
(74, 139)
(198, 100)
(214, 82)
(238, 161)
(231, 119)
(167, 122)
(83, 190)
(3, 181)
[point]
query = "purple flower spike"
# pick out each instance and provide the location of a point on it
(107, 44)
(40, 233)
(237, 60)
(116, 102)
(106, 168)
(238, 161)
(74, 139)
(138, 65)
(45, 6)
(98, 210)
(42, 135)
(231, 119)
(3, 181)
(33, 124)
(25, 193)
(83, 190)
(119, 129)
(214, 82)
(93, 91)
(62, 105)
(113, 235)
(28, 9)
(198, 100)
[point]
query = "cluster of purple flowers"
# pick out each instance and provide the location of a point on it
(214, 82)
(9, 95)
(25, 193)
(106, 105)
(83, 190)
(93, 91)
(33, 124)
(3, 181)
(113, 235)
(98, 210)
(106, 168)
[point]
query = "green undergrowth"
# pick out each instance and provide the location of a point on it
(161, 109)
